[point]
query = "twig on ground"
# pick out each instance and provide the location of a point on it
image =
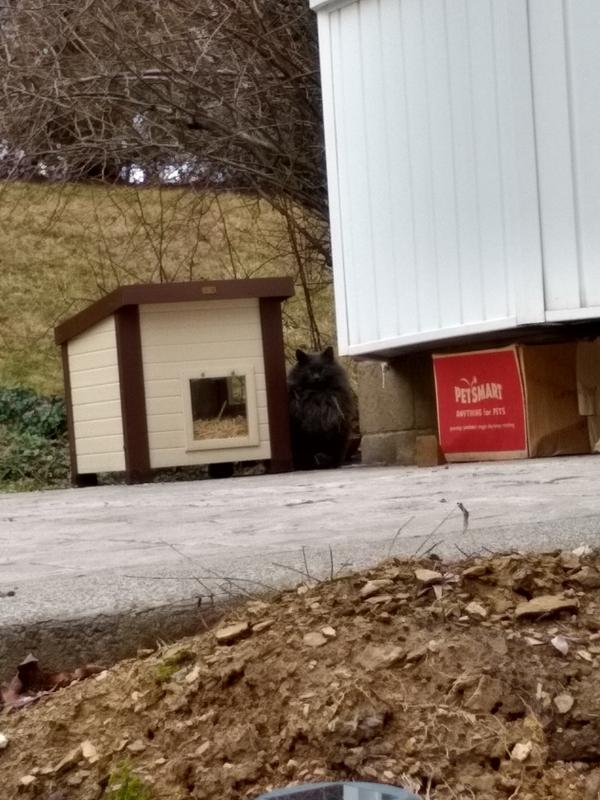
(215, 575)
(517, 790)
(344, 565)
(398, 532)
(306, 564)
(465, 514)
(433, 532)
(428, 788)
(198, 580)
(432, 548)
(334, 575)
(463, 553)
(293, 569)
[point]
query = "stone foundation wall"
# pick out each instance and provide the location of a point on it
(396, 401)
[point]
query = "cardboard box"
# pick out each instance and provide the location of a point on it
(511, 402)
(428, 452)
(588, 388)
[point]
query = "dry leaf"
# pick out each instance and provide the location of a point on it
(583, 550)
(521, 751)
(314, 639)
(372, 587)
(545, 605)
(233, 633)
(30, 683)
(89, 752)
(428, 577)
(261, 626)
(563, 702)
(201, 749)
(476, 610)
(532, 642)
(561, 644)
(378, 599)
(69, 761)
(585, 655)
(193, 675)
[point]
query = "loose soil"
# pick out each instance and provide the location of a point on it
(442, 678)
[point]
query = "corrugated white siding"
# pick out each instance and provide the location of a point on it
(463, 165)
(96, 399)
(565, 48)
(181, 339)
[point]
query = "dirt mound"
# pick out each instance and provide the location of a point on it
(477, 680)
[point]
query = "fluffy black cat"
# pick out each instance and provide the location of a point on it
(321, 409)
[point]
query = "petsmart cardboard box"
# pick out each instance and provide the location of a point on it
(588, 388)
(510, 402)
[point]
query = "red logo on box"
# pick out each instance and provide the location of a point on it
(480, 401)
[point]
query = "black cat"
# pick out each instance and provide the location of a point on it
(321, 406)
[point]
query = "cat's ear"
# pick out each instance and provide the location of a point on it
(301, 357)
(327, 354)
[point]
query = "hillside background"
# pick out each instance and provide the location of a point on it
(64, 245)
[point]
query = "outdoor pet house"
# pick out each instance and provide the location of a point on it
(463, 164)
(173, 375)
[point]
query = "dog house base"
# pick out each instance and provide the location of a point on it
(224, 470)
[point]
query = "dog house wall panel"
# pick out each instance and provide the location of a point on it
(180, 341)
(96, 399)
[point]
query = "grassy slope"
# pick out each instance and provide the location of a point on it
(61, 247)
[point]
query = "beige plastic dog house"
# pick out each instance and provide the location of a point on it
(174, 375)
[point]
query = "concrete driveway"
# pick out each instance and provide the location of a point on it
(94, 559)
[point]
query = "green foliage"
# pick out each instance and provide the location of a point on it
(33, 442)
(164, 672)
(124, 785)
(23, 411)
(28, 461)
(172, 663)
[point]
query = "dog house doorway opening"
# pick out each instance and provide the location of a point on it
(222, 409)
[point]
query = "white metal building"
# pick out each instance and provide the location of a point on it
(463, 150)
